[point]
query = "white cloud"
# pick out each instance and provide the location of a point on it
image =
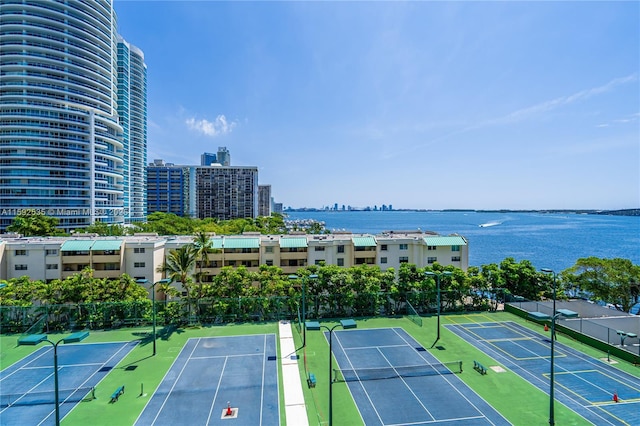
(219, 126)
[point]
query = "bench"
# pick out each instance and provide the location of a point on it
(117, 393)
(479, 367)
(311, 381)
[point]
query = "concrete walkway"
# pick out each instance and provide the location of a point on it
(295, 409)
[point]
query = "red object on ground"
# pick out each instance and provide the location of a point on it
(229, 412)
(546, 327)
(615, 396)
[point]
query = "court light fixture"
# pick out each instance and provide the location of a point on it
(315, 325)
(541, 316)
(35, 339)
(153, 303)
(438, 276)
(304, 302)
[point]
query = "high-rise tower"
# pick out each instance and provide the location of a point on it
(61, 141)
(132, 110)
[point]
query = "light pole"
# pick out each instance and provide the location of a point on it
(35, 339)
(153, 305)
(345, 324)
(304, 303)
(553, 275)
(539, 316)
(438, 275)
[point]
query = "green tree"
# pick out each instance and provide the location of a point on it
(178, 266)
(35, 225)
(104, 229)
(522, 279)
(609, 280)
(202, 247)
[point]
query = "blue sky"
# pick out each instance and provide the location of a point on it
(434, 105)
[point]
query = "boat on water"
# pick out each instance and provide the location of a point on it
(488, 224)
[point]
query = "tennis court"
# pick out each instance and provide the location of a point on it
(28, 396)
(582, 383)
(214, 373)
(395, 381)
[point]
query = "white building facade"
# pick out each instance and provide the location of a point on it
(47, 258)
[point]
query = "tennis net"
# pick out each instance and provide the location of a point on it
(47, 397)
(413, 314)
(361, 374)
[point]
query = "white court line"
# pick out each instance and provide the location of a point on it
(264, 369)
(462, 394)
(528, 375)
(215, 396)
(195, 346)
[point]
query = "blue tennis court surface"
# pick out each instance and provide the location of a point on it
(411, 400)
(27, 387)
(210, 373)
(584, 384)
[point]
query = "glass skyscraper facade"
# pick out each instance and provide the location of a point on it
(132, 110)
(62, 138)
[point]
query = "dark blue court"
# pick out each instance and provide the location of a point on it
(27, 387)
(582, 383)
(421, 400)
(210, 373)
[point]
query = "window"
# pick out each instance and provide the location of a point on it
(455, 258)
(21, 252)
(138, 250)
(52, 266)
(383, 247)
(403, 259)
(455, 248)
(431, 247)
(318, 262)
(319, 248)
(268, 249)
(383, 260)
(20, 267)
(404, 246)
(340, 261)
(341, 249)
(268, 262)
(138, 264)
(432, 259)
(51, 252)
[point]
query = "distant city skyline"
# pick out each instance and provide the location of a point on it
(422, 105)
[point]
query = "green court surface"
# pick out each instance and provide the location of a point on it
(141, 373)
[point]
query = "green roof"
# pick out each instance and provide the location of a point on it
(215, 243)
(241, 243)
(293, 242)
(102, 245)
(445, 241)
(364, 241)
(77, 245)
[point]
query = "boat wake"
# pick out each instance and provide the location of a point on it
(488, 224)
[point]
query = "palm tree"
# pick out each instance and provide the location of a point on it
(178, 266)
(201, 243)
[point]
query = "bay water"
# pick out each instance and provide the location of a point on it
(548, 240)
